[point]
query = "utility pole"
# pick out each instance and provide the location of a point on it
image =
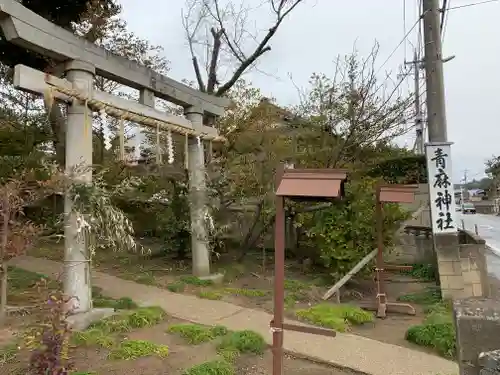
(462, 185)
(418, 111)
(436, 109)
(439, 159)
(419, 123)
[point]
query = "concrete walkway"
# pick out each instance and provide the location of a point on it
(345, 350)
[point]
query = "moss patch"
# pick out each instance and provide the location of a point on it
(197, 334)
(338, 317)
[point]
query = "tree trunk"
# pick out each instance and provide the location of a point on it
(3, 293)
(3, 255)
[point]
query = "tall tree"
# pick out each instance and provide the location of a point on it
(493, 171)
(222, 46)
(98, 22)
(358, 114)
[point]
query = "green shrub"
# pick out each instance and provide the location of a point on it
(409, 169)
(337, 317)
(437, 331)
(423, 271)
(339, 248)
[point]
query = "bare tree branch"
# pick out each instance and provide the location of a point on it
(227, 25)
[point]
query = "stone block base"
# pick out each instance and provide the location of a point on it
(81, 321)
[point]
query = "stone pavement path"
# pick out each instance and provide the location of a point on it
(345, 350)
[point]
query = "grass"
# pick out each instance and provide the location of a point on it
(242, 342)
(423, 271)
(337, 317)
(429, 296)
(177, 287)
(437, 331)
(22, 286)
(145, 278)
(93, 337)
(296, 291)
(197, 334)
(296, 285)
(246, 292)
(210, 294)
(101, 333)
(230, 346)
(100, 300)
(133, 349)
(193, 280)
(140, 318)
(8, 353)
(216, 367)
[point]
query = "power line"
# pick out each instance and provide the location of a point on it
(444, 18)
(473, 4)
(404, 24)
(399, 45)
(420, 44)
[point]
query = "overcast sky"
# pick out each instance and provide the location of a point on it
(319, 30)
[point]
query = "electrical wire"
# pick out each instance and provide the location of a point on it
(399, 45)
(444, 18)
(473, 4)
(404, 24)
(420, 44)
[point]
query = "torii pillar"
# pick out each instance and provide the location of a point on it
(197, 197)
(78, 169)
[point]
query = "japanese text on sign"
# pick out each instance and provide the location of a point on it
(441, 188)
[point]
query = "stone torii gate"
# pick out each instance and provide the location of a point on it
(82, 60)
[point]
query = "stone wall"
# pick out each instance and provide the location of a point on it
(462, 269)
(414, 245)
(477, 323)
(463, 273)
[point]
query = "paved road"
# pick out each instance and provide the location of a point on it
(488, 227)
